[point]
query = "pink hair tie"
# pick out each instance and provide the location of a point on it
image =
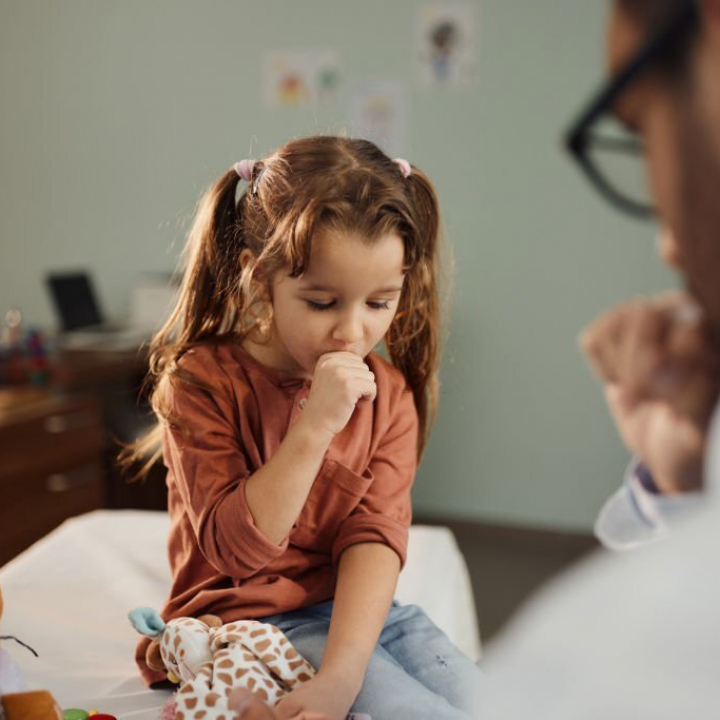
(245, 168)
(404, 166)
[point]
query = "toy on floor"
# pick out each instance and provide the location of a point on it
(209, 659)
(16, 701)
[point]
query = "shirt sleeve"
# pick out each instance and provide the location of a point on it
(385, 511)
(638, 513)
(210, 469)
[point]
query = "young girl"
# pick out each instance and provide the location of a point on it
(290, 446)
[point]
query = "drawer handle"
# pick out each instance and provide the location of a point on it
(57, 424)
(63, 482)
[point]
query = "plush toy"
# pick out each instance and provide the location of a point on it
(16, 701)
(208, 660)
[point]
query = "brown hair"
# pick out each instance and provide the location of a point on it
(306, 185)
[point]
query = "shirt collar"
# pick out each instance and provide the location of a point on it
(280, 378)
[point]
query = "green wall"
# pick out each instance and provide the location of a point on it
(115, 115)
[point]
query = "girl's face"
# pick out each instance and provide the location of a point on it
(343, 302)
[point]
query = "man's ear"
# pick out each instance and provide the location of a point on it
(710, 14)
(710, 28)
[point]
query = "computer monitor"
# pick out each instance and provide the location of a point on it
(74, 300)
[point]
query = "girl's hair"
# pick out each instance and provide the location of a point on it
(305, 186)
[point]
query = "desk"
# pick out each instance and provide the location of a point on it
(59, 446)
(83, 371)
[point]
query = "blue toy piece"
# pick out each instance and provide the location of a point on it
(147, 621)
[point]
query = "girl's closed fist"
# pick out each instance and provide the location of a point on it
(340, 381)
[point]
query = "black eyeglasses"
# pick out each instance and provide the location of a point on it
(614, 161)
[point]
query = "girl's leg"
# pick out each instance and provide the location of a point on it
(428, 656)
(401, 685)
(388, 692)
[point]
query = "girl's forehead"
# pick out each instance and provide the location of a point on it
(346, 253)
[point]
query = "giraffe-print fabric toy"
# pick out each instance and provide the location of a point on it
(208, 660)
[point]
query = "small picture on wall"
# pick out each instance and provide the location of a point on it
(447, 45)
(378, 113)
(292, 79)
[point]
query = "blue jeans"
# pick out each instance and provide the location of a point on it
(415, 672)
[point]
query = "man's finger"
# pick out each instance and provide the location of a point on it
(599, 342)
(643, 350)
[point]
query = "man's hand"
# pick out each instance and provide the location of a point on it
(661, 376)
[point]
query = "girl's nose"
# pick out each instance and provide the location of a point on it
(348, 329)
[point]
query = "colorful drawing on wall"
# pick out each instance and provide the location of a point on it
(378, 113)
(296, 78)
(447, 47)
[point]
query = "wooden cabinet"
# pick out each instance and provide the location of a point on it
(59, 446)
(51, 465)
(115, 380)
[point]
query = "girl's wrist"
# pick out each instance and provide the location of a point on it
(313, 435)
(346, 680)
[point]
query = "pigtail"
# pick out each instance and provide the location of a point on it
(207, 305)
(413, 340)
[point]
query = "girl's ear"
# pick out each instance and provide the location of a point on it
(256, 288)
(153, 658)
(247, 259)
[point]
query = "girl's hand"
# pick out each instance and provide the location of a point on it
(340, 381)
(322, 698)
(660, 375)
(248, 706)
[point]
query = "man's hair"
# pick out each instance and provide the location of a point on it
(653, 15)
(652, 11)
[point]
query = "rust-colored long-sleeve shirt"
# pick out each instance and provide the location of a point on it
(221, 562)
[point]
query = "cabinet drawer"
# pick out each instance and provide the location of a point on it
(33, 504)
(66, 435)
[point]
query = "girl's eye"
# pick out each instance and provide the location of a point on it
(319, 306)
(374, 305)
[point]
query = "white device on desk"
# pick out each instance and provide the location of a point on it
(82, 324)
